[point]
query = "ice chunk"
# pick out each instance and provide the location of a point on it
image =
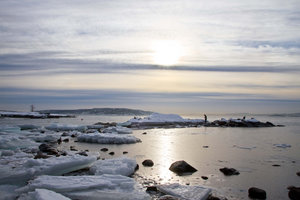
(118, 129)
(29, 126)
(108, 187)
(18, 169)
(65, 127)
(42, 194)
(122, 166)
(14, 142)
(185, 192)
(282, 145)
(108, 138)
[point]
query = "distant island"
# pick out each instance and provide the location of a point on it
(100, 111)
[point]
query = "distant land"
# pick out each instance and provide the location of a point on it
(99, 111)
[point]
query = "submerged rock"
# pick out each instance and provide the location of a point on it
(294, 193)
(256, 193)
(229, 171)
(148, 163)
(181, 167)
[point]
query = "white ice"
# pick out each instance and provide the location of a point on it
(158, 117)
(185, 192)
(108, 187)
(21, 167)
(118, 129)
(42, 194)
(14, 141)
(122, 166)
(107, 138)
(65, 127)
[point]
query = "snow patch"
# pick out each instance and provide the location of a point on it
(118, 129)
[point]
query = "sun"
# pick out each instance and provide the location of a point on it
(166, 52)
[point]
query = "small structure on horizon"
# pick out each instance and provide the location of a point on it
(205, 118)
(32, 108)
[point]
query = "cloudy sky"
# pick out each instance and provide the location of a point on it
(188, 56)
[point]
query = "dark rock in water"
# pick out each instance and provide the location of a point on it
(82, 153)
(276, 165)
(151, 189)
(211, 197)
(125, 152)
(181, 167)
(59, 141)
(144, 133)
(204, 177)
(148, 163)
(72, 148)
(229, 171)
(104, 149)
(137, 167)
(298, 173)
(40, 155)
(269, 124)
(111, 153)
(205, 146)
(48, 149)
(63, 153)
(66, 140)
(168, 197)
(256, 193)
(73, 135)
(294, 193)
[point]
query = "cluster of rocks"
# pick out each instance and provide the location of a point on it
(238, 123)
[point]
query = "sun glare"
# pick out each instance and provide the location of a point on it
(166, 52)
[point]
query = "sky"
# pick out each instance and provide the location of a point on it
(170, 56)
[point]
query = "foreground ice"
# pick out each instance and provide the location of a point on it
(185, 192)
(122, 166)
(14, 142)
(158, 117)
(118, 129)
(21, 167)
(7, 192)
(108, 187)
(107, 138)
(42, 194)
(66, 127)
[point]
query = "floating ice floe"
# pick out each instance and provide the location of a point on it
(42, 194)
(20, 168)
(118, 129)
(65, 127)
(282, 145)
(108, 187)
(14, 142)
(122, 166)
(185, 192)
(107, 138)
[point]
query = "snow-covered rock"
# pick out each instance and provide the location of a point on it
(21, 167)
(185, 192)
(107, 138)
(118, 129)
(42, 194)
(65, 127)
(108, 187)
(122, 166)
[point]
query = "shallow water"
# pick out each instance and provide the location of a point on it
(249, 150)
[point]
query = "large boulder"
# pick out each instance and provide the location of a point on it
(181, 167)
(148, 163)
(294, 193)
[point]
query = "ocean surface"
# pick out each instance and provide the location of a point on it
(252, 151)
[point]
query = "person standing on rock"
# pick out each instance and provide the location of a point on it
(205, 118)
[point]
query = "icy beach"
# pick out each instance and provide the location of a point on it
(80, 158)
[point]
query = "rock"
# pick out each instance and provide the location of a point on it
(168, 197)
(72, 148)
(137, 167)
(59, 141)
(40, 155)
(144, 133)
(151, 189)
(48, 149)
(148, 163)
(294, 193)
(204, 177)
(256, 193)
(276, 165)
(82, 153)
(298, 173)
(229, 171)
(211, 197)
(104, 149)
(111, 153)
(205, 146)
(65, 134)
(66, 140)
(73, 135)
(181, 167)
(125, 152)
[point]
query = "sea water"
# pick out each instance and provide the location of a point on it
(256, 153)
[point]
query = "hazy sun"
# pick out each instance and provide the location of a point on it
(166, 52)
